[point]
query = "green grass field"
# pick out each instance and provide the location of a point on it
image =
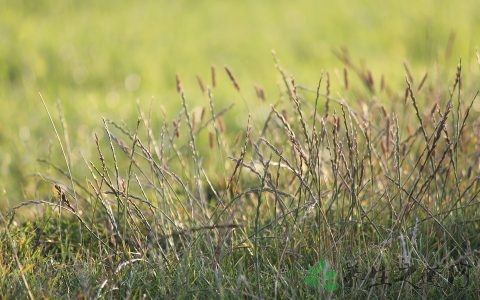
(206, 149)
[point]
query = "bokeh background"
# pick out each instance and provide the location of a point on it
(93, 59)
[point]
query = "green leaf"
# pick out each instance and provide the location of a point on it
(311, 280)
(330, 286)
(330, 274)
(313, 271)
(322, 265)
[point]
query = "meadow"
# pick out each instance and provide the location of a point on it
(250, 150)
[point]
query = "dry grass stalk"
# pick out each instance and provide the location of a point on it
(298, 149)
(364, 75)
(407, 70)
(210, 140)
(345, 78)
(200, 84)
(327, 103)
(422, 82)
(260, 93)
(232, 78)
(213, 76)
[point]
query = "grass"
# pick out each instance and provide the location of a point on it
(138, 48)
(190, 210)
(237, 179)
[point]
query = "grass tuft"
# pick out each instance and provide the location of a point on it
(383, 194)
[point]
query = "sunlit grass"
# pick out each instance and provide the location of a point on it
(172, 156)
(191, 209)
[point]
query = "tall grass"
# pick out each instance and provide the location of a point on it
(189, 209)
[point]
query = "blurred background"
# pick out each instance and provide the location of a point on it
(93, 59)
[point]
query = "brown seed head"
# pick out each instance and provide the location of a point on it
(232, 78)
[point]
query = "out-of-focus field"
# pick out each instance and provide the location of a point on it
(98, 58)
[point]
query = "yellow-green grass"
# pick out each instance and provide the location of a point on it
(162, 214)
(98, 59)
(148, 186)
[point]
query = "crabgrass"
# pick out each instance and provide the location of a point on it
(385, 194)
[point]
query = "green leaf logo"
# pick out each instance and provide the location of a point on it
(317, 276)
